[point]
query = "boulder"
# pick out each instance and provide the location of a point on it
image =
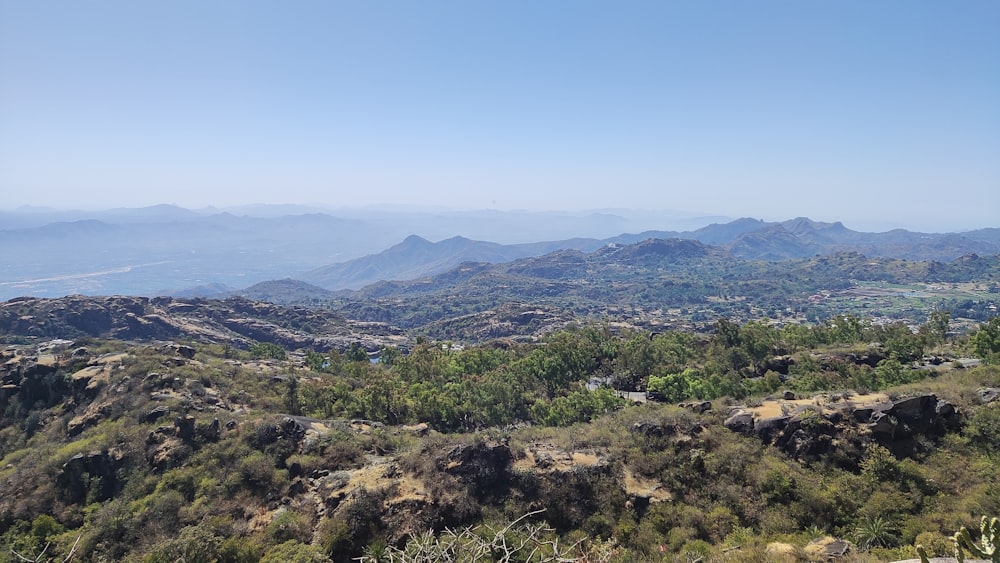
(481, 465)
(863, 414)
(697, 406)
(155, 414)
(183, 351)
(292, 430)
(914, 408)
(741, 421)
(883, 423)
(184, 427)
(988, 394)
(767, 428)
(652, 428)
(165, 452)
(211, 431)
(777, 364)
(827, 548)
(92, 475)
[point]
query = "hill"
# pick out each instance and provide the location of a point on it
(417, 257)
(234, 321)
(175, 251)
(750, 239)
(678, 282)
(158, 450)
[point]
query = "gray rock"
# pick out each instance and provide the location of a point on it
(741, 421)
(988, 395)
(184, 426)
(767, 428)
(155, 414)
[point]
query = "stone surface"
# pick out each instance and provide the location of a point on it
(988, 395)
(741, 421)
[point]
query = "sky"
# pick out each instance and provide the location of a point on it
(850, 110)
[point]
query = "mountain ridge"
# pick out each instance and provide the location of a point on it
(747, 238)
(146, 250)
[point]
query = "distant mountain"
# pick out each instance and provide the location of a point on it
(669, 280)
(144, 250)
(751, 239)
(207, 290)
(772, 242)
(28, 217)
(989, 236)
(133, 257)
(719, 234)
(417, 257)
(286, 291)
(585, 283)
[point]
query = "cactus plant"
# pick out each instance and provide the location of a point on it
(988, 546)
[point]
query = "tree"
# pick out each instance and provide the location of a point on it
(389, 355)
(267, 350)
(292, 403)
(935, 330)
(986, 341)
(356, 353)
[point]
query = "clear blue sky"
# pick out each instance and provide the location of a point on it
(848, 110)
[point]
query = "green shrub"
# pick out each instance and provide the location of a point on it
(983, 429)
(267, 350)
(293, 551)
(288, 525)
(194, 544)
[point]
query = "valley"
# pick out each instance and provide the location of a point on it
(697, 402)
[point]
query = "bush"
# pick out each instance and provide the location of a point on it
(267, 350)
(288, 526)
(293, 551)
(194, 544)
(983, 429)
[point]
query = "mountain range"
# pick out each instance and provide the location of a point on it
(749, 239)
(167, 250)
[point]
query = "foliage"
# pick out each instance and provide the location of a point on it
(983, 429)
(267, 350)
(293, 551)
(648, 482)
(986, 341)
(579, 406)
(875, 531)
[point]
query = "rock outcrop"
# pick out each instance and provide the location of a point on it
(235, 321)
(92, 476)
(809, 431)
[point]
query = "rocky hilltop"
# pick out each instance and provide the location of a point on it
(235, 321)
(141, 429)
(207, 459)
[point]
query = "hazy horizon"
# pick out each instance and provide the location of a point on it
(641, 219)
(879, 115)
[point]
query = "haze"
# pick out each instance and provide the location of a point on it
(863, 112)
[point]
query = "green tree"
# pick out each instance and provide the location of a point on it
(293, 404)
(268, 350)
(900, 342)
(316, 361)
(986, 341)
(935, 330)
(356, 353)
(389, 355)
